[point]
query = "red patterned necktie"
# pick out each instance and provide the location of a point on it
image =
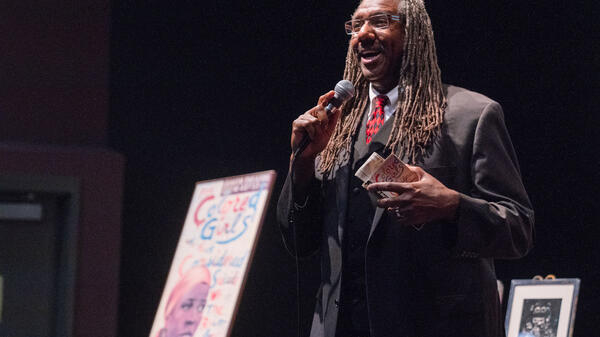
(377, 118)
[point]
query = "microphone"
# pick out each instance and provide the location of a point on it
(344, 90)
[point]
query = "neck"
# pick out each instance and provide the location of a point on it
(383, 88)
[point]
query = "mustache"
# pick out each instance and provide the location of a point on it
(371, 50)
(362, 48)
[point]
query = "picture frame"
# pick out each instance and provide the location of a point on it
(542, 308)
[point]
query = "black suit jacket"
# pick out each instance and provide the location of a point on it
(440, 280)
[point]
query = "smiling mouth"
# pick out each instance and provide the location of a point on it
(368, 56)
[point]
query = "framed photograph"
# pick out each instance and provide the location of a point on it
(541, 308)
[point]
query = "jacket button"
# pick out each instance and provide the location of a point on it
(356, 190)
(337, 303)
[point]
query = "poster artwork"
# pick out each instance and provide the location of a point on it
(540, 317)
(215, 248)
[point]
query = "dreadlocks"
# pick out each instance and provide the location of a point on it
(421, 102)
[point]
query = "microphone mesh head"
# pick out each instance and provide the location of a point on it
(344, 90)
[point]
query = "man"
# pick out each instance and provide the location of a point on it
(422, 263)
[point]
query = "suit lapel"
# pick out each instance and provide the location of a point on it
(376, 218)
(360, 146)
(361, 150)
(377, 144)
(342, 180)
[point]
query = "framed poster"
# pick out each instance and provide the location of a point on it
(210, 265)
(541, 308)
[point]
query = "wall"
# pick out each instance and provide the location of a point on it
(54, 99)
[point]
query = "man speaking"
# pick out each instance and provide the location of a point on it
(420, 263)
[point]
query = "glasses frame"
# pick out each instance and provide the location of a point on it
(389, 17)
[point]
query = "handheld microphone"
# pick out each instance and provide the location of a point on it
(344, 90)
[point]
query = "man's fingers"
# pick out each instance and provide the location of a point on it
(416, 169)
(390, 186)
(304, 126)
(392, 203)
(333, 119)
(324, 99)
(311, 130)
(314, 124)
(308, 119)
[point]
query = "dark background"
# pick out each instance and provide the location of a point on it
(207, 89)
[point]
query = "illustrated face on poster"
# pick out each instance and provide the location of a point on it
(186, 303)
(540, 317)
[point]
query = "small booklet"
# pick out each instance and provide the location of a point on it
(391, 169)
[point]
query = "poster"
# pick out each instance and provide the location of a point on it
(208, 271)
(542, 308)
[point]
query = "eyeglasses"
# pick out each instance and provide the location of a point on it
(377, 21)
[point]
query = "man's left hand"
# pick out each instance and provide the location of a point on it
(419, 202)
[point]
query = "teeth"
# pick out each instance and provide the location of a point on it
(370, 54)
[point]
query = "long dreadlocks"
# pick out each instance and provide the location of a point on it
(421, 103)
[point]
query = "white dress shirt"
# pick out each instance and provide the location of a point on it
(390, 107)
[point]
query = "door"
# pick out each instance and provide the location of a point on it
(31, 228)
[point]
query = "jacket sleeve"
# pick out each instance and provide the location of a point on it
(300, 225)
(496, 218)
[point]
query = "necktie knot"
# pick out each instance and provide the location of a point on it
(377, 118)
(380, 101)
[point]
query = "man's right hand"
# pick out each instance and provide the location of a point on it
(316, 125)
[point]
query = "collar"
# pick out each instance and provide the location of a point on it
(390, 107)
